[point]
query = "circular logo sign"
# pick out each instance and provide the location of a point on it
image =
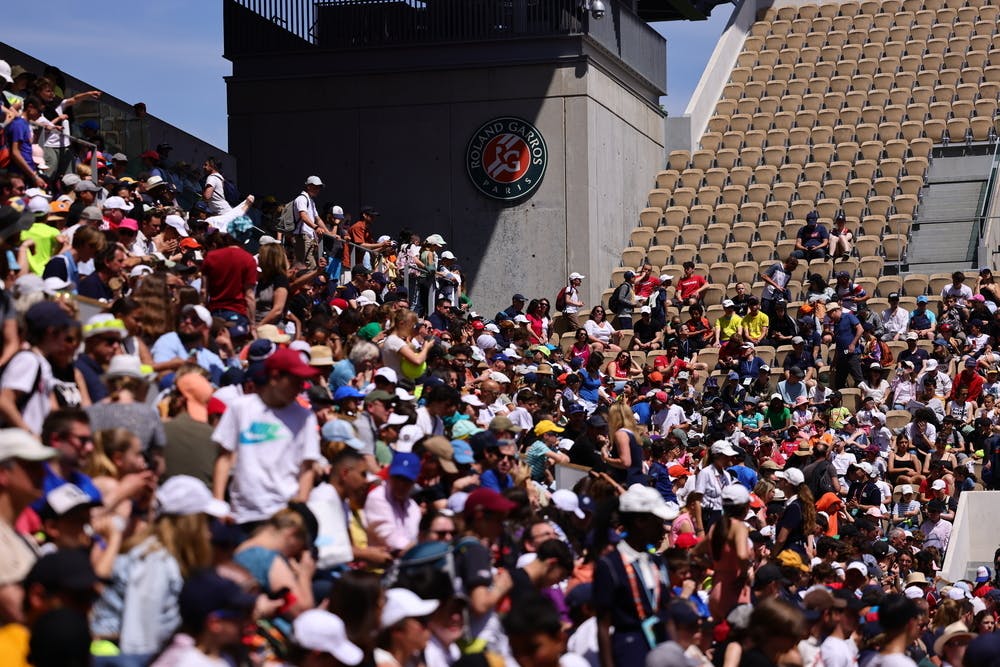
(506, 158)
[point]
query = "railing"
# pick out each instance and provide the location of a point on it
(46, 127)
(351, 24)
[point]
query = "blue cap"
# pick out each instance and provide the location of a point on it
(340, 430)
(345, 392)
(580, 595)
(201, 206)
(206, 592)
(260, 350)
(463, 452)
(575, 408)
(922, 299)
(90, 125)
(406, 465)
(812, 216)
(48, 314)
(940, 341)
(733, 375)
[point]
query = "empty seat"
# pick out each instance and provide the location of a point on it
(894, 247)
(650, 217)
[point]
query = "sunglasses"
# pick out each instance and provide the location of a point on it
(508, 457)
(442, 533)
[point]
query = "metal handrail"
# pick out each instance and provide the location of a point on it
(74, 140)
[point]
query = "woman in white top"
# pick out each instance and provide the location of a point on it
(600, 332)
(403, 637)
(875, 386)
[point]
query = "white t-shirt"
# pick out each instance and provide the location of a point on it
(333, 516)
(218, 202)
(838, 652)
(892, 660)
(271, 445)
(22, 374)
(390, 352)
(305, 203)
(601, 332)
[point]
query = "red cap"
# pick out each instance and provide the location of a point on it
(133, 224)
(152, 155)
(190, 243)
(686, 540)
(661, 396)
(478, 325)
(340, 303)
(215, 406)
(487, 500)
(656, 376)
(289, 361)
(755, 501)
(660, 362)
(677, 470)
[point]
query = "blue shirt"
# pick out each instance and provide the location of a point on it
(63, 266)
(661, 482)
(643, 411)
(844, 330)
(750, 368)
(169, 346)
(19, 130)
(53, 481)
(341, 375)
(92, 372)
(492, 480)
(744, 475)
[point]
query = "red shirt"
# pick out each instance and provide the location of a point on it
(688, 286)
(229, 272)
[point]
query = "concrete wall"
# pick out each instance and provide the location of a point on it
(975, 534)
(398, 141)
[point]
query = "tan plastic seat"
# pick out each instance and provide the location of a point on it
(867, 245)
(650, 217)
(744, 232)
(641, 237)
(751, 212)
(776, 211)
(667, 179)
(658, 198)
(871, 266)
(684, 253)
(699, 216)
(905, 204)
(894, 247)
(915, 284)
(745, 272)
(675, 216)
(872, 225)
(658, 255)
(769, 231)
(666, 236)
(899, 224)
(678, 160)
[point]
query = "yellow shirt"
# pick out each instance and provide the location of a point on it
(14, 639)
(755, 324)
(728, 326)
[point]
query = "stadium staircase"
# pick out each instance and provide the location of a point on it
(834, 107)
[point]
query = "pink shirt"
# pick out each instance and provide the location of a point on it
(391, 523)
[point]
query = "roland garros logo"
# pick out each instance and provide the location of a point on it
(506, 158)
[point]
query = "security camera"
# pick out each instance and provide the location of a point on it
(597, 8)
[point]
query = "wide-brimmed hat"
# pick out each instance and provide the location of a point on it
(956, 630)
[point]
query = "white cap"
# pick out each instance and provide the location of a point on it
(793, 476)
(906, 489)
(522, 319)
(566, 444)
(5, 71)
(868, 468)
(314, 180)
(402, 603)
(117, 203)
(319, 630)
(201, 311)
(388, 374)
(486, 342)
(665, 278)
(735, 494)
(447, 254)
(858, 566)
(408, 436)
(55, 284)
(568, 501)
(497, 376)
(435, 239)
(140, 270)
(645, 309)
(125, 365)
(473, 400)
(268, 240)
(404, 395)
(67, 497)
(576, 276)
(642, 499)
(177, 222)
(683, 375)
(728, 303)
(938, 485)
(396, 419)
(492, 328)
(184, 495)
(913, 592)
(38, 204)
(456, 501)
(723, 447)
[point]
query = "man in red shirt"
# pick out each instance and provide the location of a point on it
(970, 379)
(229, 280)
(690, 286)
(360, 233)
(646, 282)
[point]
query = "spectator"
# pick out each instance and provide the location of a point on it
(268, 443)
(812, 240)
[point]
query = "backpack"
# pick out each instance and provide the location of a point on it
(22, 401)
(285, 223)
(231, 193)
(561, 299)
(819, 481)
(4, 149)
(615, 302)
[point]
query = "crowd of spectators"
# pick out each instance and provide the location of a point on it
(308, 448)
